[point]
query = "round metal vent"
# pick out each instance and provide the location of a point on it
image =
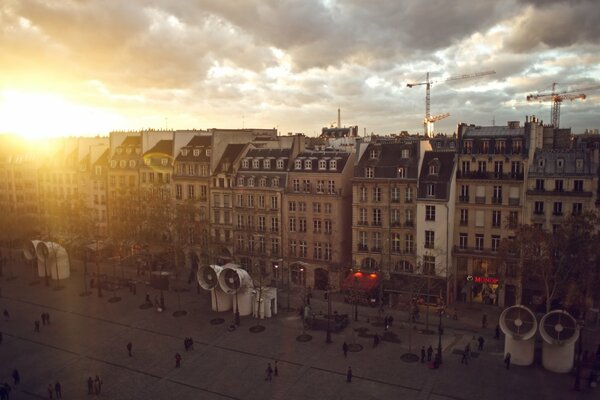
(232, 279)
(559, 327)
(209, 277)
(519, 322)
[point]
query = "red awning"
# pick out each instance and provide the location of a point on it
(363, 281)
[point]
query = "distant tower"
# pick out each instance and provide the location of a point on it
(339, 125)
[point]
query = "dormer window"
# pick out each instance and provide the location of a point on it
(333, 165)
(373, 154)
(579, 164)
(541, 163)
(196, 152)
(275, 182)
(560, 163)
(184, 152)
(208, 152)
(468, 146)
(241, 181)
(122, 163)
(267, 164)
(405, 153)
(401, 172)
(131, 163)
(98, 170)
(147, 160)
(255, 164)
(251, 182)
(369, 172)
(308, 164)
(138, 150)
(279, 164)
(298, 164)
(119, 150)
(485, 146)
(434, 167)
(245, 164)
(322, 164)
(262, 182)
(113, 164)
(128, 151)
(164, 161)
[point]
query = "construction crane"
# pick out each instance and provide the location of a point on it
(557, 98)
(427, 121)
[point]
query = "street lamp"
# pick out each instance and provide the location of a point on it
(440, 333)
(355, 298)
(276, 266)
(328, 338)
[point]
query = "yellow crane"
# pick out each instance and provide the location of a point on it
(557, 99)
(429, 119)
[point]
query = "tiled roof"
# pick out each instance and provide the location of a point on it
(162, 147)
(389, 159)
(492, 131)
(569, 161)
(132, 141)
(445, 163)
(340, 157)
(231, 153)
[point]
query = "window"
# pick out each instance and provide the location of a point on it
(191, 192)
(485, 146)
(539, 185)
(261, 223)
(362, 241)
(558, 185)
(405, 153)
(377, 216)
(516, 167)
(307, 164)
(298, 164)
(296, 185)
(560, 163)
(303, 249)
(430, 190)
(429, 265)
(250, 200)
(302, 224)
(316, 226)
(241, 181)
(262, 182)
(240, 221)
(333, 165)
(316, 207)
(274, 224)
(430, 213)
(275, 247)
(497, 195)
(292, 225)
(328, 252)
(301, 206)
(306, 185)
(516, 146)
(577, 208)
(131, 163)
(408, 195)
(402, 172)
(395, 194)
(261, 201)
(498, 169)
(408, 217)
(513, 219)
(578, 185)
(495, 242)
(468, 146)
(481, 166)
(376, 194)
(373, 154)
(369, 172)
(328, 226)
(463, 240)
(256, 163)
(327, 208)
(164, 161)
(464, 216)
(292, 206)
(331, 187)
(279, 164)
(275, 182)
(267, 164)
(396, 243)
(557, 208)
(538, 207)
(362, 216)
(178, 192)
(479, 242)
(293, 247)
(496, 218)
(251, 182)
(204, 170)
(409, 245)
(274, 203)
(465, 167)
(500, 146)
(317, 251)
(434, 169)
(429, 239)
(322, 164)
(479, 220)
(403, 266)
(363, 194)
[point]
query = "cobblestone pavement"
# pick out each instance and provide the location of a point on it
(88, 336)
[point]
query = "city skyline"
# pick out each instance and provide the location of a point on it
(86, 68)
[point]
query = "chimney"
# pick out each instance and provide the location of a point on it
(339, 118)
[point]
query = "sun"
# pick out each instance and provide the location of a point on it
(36, 115)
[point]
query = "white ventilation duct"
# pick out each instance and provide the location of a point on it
(519, 326)
(237, 282)
(266, 306)
(208, 279)
(29, 250)
(559, 331)
(53, 259)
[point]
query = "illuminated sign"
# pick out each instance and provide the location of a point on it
(486, 279)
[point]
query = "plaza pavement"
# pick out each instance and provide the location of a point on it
(88, 337)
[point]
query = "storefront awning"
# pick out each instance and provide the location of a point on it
(363, 281)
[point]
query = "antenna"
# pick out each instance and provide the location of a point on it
(494, 120)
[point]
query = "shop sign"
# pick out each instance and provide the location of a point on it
(484, 279)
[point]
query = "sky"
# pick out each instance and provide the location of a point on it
(86, 67)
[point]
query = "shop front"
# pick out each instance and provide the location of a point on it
(362, 287)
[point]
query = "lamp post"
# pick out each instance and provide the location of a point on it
(440, 333)
(98, 283)
(276, 266)
(328, 338)
(355, 298)
(237, 306)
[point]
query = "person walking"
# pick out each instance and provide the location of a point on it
(50, 391)
(1, 337)
(465, 357)
(422, 354)
(177, 360)
(58, 390)
(90, 383)
(36, 326)
(507, 360)
(349, 375)
(429, 353)
(481, 342)
(275, 369)
(269, 372)
(43, 316)
(6, 314)
(129, 346)
(16, 377)
(97, 385)
(345, 349)
(484, 321)
(376, 340)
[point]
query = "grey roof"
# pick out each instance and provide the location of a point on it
(341, 157)
(162, 147)
(390, 159)
(231, 153)
(492, 131)
(445, 161)
(201, 143)
(550, 164)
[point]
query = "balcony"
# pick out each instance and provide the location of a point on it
(363, 223)
(557, 214)
(395, 224)
(396, 200)
(409, 224)
(489, 175)
(464, 223)
(363, 247)
(514, 202)
(463, 199)
(376, 223)
(376, 249)
(428, 245)
(480, 199)
(497, 200)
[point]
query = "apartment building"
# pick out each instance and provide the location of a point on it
(492, 166)
(317, 214)
(436, 196)
(384, 188)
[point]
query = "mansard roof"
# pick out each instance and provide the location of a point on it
(445, 162)
(389, 159)
(231, 153)
(340, 158)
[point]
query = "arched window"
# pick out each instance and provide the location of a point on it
(403, 266)
(369, 263)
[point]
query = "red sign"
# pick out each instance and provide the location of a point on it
(486, 279)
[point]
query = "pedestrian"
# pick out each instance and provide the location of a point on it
(129, 346)
(6, 314)
(177, 360)
(376, 340)
(465, 358)
(191, 344)
(390, 320)
(156, 303)
(5, 391)
(43, 319)
(481, 341)
(385, 323)
(349, 375)
(16, 377)
(436, 361)
(47, 318)
(148, 299)
(58, 390)
(345, 349)
(484, 321)
(269, 372)
(497, 333)
(36, 326)
(50, 391)
(185, 344)
(1, 337)
(97, 385)
(423, 354)
(429, 353)
(275, 369)
(90, 383)
(507, 360)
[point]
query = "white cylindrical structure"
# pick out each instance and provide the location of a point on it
(237, 282)
(559, 331)
(53, 259)
(208, 279)
(519, 326)
(29, 250)
(267, 306)
(244, 299)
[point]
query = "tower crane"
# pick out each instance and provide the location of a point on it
(557, 98)
(429, 119)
